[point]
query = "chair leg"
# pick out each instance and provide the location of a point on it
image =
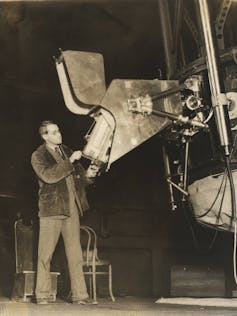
(94, 283)
(110, 284)
(68, 298)
(90, 282)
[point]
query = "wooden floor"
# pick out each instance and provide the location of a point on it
(129, 306)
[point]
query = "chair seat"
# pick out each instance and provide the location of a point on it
(97, 262)
(102, 262)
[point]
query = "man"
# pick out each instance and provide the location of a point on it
(62, 181)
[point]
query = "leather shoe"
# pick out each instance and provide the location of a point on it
(42, 302)
(86, 301)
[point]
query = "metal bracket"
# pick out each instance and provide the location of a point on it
(220, 22)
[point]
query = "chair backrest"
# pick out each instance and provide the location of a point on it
(25, 247)
(90, 254)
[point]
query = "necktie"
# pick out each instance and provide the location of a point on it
(58, 151)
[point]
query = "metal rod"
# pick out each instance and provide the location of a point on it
(180, 118)
(186, 166)
(178, 187)
(167, 171)
(218, 99)
(166, 93)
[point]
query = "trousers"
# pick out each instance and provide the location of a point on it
(49, 233)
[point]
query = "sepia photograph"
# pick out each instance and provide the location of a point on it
(118, 165)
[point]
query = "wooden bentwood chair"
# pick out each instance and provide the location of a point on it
(92, 263)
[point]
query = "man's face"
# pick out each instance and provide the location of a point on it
(54, 136)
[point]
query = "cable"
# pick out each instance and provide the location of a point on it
(196, 243)
(235, 224)
(223, 179)
(213, 203)
(221, 203)
(234, 251)
(233, 217)
(195, 240)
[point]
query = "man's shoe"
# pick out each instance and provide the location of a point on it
(42, 301)
(86, 301)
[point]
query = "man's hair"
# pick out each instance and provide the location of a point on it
(43, 127)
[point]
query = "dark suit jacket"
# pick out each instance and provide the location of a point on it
(53, 191)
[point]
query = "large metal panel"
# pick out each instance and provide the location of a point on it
(117, 130)
(82, 79)
(132, 129)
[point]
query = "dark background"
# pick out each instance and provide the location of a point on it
(125, 32)
(130, 209)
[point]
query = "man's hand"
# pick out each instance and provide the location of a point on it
(92, 171)
(75, 156)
